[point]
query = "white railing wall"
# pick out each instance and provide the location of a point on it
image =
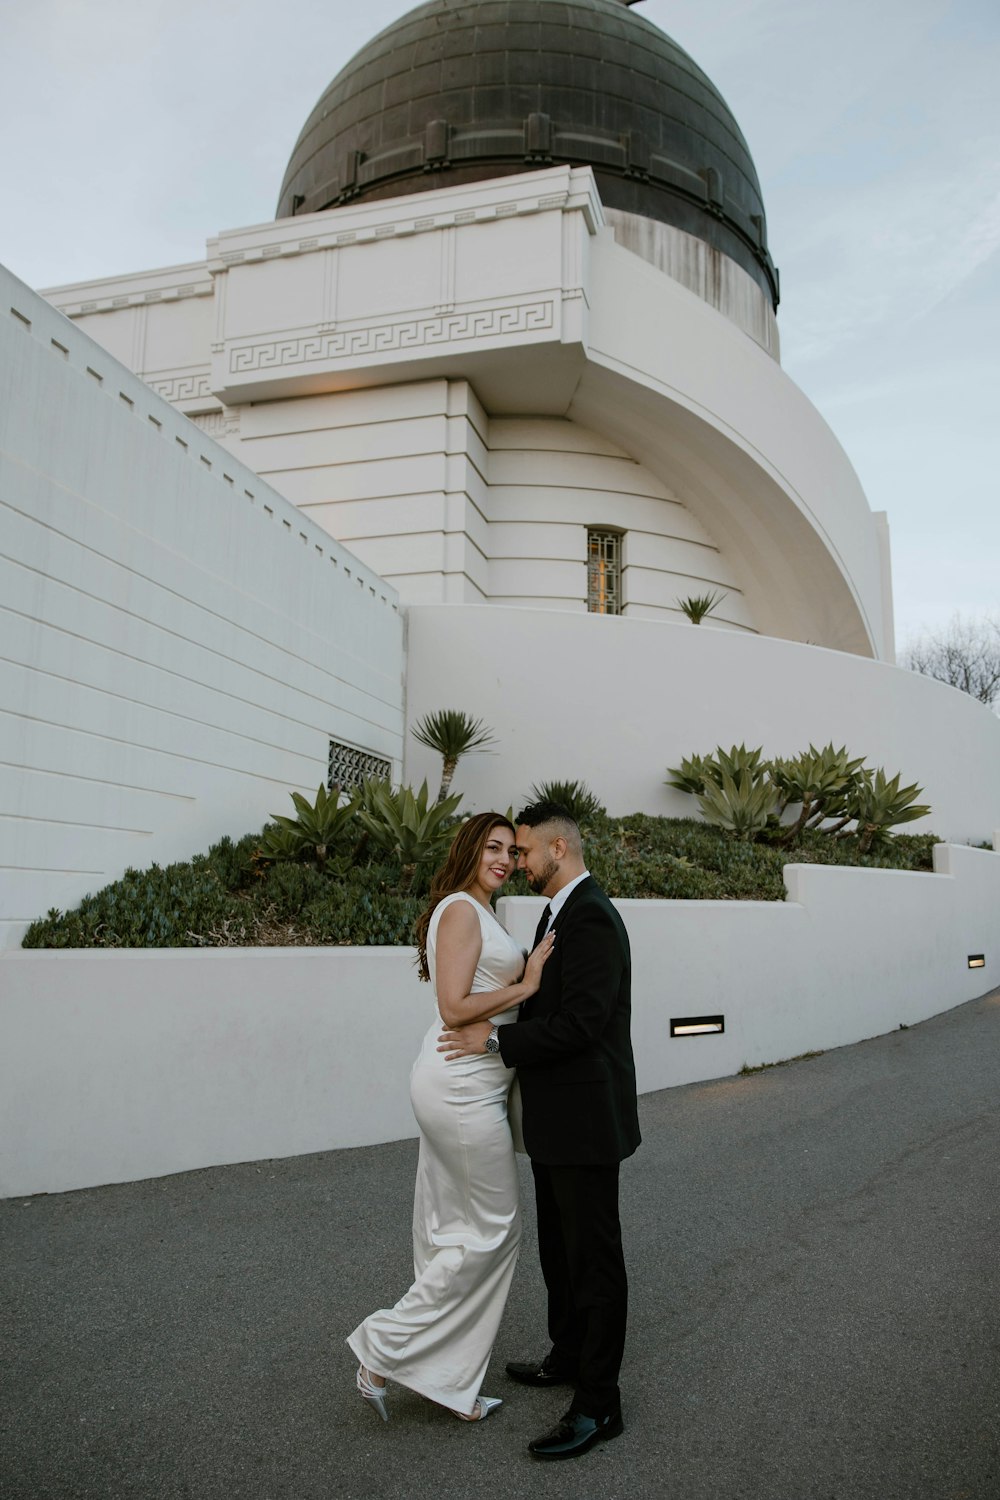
(120, 1065)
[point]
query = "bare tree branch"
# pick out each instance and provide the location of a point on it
(965, 654)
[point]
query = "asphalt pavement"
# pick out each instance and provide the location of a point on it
(814, 1255)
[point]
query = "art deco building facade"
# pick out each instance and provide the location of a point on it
(511, 341)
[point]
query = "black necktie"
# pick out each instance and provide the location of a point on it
(541, 928)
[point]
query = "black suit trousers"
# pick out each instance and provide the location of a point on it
(580, 1249)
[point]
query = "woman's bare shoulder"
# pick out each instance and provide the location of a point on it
(459, 914)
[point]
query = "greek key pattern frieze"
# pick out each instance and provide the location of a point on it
(182, 387)
(412, 333)
(217, 423)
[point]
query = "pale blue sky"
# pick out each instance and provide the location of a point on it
(134, 129)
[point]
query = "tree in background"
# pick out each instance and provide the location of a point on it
(965, 654)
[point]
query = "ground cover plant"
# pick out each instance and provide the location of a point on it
(334, 882)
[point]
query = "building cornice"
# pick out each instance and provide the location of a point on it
(137, 289)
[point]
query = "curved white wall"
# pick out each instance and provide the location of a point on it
(704, 270)
(614, 701)
(549, 481)
(671, 381)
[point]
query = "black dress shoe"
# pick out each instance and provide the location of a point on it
(574, 1433)
(540, 1374)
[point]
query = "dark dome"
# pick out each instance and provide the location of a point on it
(463, 90)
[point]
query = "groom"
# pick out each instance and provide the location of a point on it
(573, 1054)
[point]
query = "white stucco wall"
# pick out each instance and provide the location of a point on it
(123, 1065)
(704, 270)
(179, 643)
(615, 701)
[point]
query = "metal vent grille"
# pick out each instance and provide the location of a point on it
(348, 766)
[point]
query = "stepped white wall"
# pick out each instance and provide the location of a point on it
(123, 1065)
(179, 643)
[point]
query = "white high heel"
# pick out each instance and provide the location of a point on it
(484, 1405)
(373, 1394)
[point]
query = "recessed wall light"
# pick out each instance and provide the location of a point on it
(977, 960)
(696, 1025)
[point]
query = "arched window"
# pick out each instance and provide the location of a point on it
(604, 572)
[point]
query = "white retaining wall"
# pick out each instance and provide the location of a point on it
(123, 1065)
(614, 701)
(179, 643)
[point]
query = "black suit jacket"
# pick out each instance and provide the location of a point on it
(572, 1046)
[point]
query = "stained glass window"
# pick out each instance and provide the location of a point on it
(604, 551)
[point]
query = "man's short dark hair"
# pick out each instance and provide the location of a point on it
(544, 812)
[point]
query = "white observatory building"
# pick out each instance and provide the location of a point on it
(508, 357)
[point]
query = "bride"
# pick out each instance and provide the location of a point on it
(466, 1220)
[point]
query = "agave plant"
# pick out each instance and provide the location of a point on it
(401, 823)
(697, 606)
(818, 779)
(309, 835)
(692, 774)
(737, 759)
(696, 772)
(575, 796)
(452, 734)
(878, 804)
(280, 844)
(741, 805)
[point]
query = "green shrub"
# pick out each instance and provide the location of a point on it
(231, 896)
(155, 908)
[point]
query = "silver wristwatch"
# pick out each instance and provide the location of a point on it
(492, 1042)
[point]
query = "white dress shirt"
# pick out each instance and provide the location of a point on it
(560, 898)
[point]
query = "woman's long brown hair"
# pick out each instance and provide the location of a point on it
(457, 873)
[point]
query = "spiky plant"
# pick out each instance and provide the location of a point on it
(879, 803)
(697, 606)
(310, 834)
(575, 796)
(401, 823)
(692, 774)
(452, 734)
(742, 806)
(736, 759)
(820, 780)
(696, 772)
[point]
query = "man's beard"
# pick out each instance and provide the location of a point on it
(540, 881)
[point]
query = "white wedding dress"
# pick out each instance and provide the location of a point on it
(466, 1219)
